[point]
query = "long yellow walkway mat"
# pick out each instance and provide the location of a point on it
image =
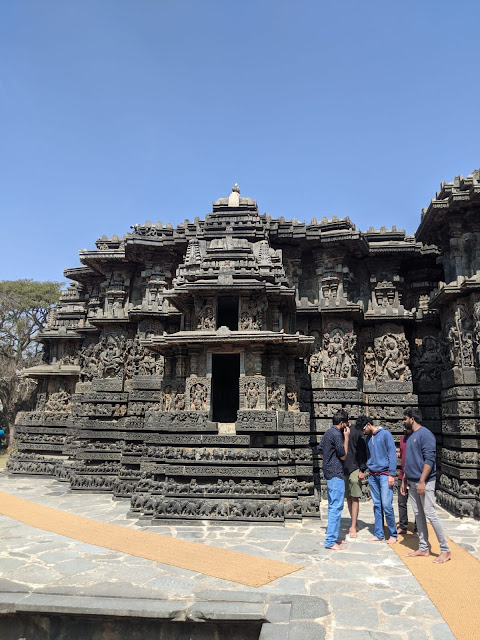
(453, 587)
(243, 568)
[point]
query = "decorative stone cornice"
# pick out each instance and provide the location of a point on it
(453, 197)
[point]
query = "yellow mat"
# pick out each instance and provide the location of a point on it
(243, 568)
(453, 587)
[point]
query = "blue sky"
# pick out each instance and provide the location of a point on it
(115, 112)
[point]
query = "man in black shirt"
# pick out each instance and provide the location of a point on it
(354, 467)
(334, 447)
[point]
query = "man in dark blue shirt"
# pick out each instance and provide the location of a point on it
(420, 472)
(334, 448)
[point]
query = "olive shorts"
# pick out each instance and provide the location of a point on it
(353, 486)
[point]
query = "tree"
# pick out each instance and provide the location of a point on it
(24, 308)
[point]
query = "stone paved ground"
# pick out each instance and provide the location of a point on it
(363, 593)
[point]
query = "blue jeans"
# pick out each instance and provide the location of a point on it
(382, 497)
(336, 495)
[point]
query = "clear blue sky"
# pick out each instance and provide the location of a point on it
(114, 112)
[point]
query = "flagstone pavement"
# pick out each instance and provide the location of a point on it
(364, 592)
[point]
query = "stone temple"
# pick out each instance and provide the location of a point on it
(192, 369)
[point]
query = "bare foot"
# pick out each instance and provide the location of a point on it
(375, 539)
(418, 553)
(391, 540)
(352, 533)
(402, 532)
(445, 556)
(341, 541)
(336, 547)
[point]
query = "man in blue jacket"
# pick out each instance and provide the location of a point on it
(382, 467)
(420, 473)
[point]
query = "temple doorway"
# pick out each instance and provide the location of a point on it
(225, 379)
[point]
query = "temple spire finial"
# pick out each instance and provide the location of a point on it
(234, 197)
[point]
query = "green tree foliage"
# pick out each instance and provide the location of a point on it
(24, 308)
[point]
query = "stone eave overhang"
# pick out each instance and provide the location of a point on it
(103, 265)
(71, 315)
(55, 334)
(181, 297)
(378, 316)
(301, 232)
(87, 255)
(88, 328)
(100, 322)
(213, 287)
(317, 308)
(438, 209)
(80, 274)
(426, 317)
(253, 234)
(223, 337)
(448, 292)
(51, 370)
(157, 242)
(139, 313)
(344, 237)
(409, 248)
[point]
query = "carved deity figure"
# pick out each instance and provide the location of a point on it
(292, 401)
(275, 398)
(393, 363)
(198, 397)
(180, 402)
(369, 364)
(476, 317)
(339, 358)
(205, 316)
(111, 360)
(315, 363)
(393, 354)
(251, 317)
(41, 402)
(167, 398)
(336, 353)
(454, 341)
(252, 394)
(58, 401)
(147, 365)
(69, 355)
(427, 359)
(89, 362)
(467, 349)
(461, 345)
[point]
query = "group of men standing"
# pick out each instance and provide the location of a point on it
(346, 457)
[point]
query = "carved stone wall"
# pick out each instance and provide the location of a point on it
(329, 317)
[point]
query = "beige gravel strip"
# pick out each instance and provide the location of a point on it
(453, 587)
(243, 568)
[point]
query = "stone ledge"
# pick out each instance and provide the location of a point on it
(174, 610)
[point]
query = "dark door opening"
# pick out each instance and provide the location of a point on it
(225, 379)
(228, 313)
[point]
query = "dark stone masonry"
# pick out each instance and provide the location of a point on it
(191, 369)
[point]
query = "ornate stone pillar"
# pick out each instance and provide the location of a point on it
(180, 368)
